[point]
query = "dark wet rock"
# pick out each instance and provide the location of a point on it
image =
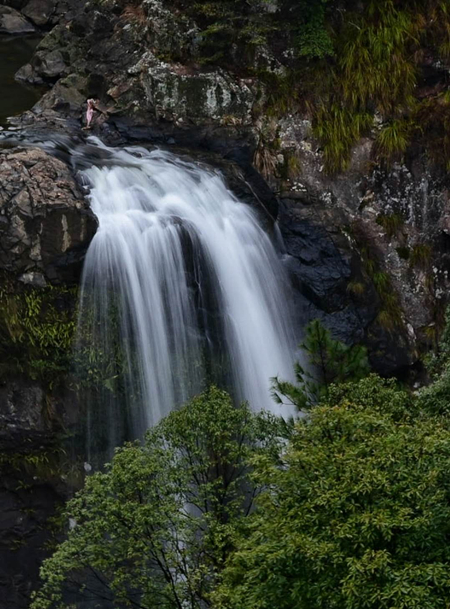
(45, 224)
(39, 11)
(12, 22)
(63, 99)
(31, 416)
(322, 263)
(49, 65)
(27, 504)
(17, 4)
(22, 408)
(32, 482)
(28, 75)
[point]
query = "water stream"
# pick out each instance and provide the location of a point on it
(181, 287)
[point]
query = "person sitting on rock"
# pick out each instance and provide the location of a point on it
(90, 113)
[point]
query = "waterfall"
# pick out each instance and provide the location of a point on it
(181, 287)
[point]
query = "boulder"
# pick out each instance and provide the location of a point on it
(49, 65)
(39, 11)
(12, 22)
(45, 223)
(174, 92)
(31, 416)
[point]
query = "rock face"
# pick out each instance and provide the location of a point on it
(388, 227)
(25, 511)
(45, 229)
(39, 11)
(175, 94)
(30, 416)
(45, 224)
(106, 51)
(12, 22)
(31, 486)
(368, 248)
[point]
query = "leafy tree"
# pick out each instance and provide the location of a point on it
(436, 397)
(358, 517)
(154, 529)
(332, 362)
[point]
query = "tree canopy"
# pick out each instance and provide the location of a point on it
(357, 517)
(346, 508)
(154, 529)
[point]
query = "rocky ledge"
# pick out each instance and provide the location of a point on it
(45, 223)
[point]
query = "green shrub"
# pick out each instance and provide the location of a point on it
(330, 361)
(358, 515)
(155, 528)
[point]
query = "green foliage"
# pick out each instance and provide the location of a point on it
(373, 58)
(356, 287)
(392, 223)
(246, 25)
(332, 362)
(37, 328)
(280, 93)
(376, 70)
(347, 507)
(421, 255)
(442, 356)
(338, 128)
(433, 119)
(41, 464)
(155, 528)
(436, 397)
(394, 137)
(309, 27)
(358, 516)
(225, 23)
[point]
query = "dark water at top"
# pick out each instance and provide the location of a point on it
(15, 98)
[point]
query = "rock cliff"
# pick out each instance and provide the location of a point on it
(367, 247)
(45, 223)
(45, 229)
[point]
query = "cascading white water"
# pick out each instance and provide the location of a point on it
(181, 286)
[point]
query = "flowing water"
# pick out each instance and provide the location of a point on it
(181, 287)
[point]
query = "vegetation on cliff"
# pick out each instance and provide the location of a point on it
(331, 362)
(37, 327)
(347, 62)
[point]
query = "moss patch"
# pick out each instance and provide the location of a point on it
(37, 329)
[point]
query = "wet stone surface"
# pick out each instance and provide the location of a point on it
(15, 98)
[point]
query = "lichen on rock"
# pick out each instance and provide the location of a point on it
(174, 92)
